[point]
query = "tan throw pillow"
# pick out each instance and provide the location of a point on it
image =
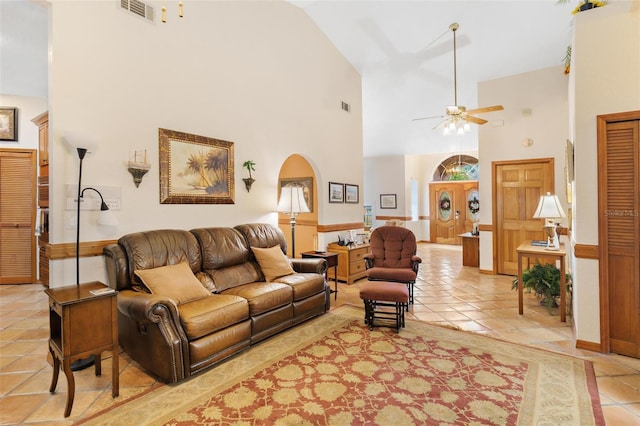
(176, 282)
(273, 262)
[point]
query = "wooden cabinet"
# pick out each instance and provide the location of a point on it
(82, 324)
(350, 261)
(470, 249)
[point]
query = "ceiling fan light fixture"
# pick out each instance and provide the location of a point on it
(467, 127)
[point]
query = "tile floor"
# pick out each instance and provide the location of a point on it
(446, 292)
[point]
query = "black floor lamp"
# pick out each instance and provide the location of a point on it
(292, 202)
(102, 220)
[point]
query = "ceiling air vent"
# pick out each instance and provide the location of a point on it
(139, 8)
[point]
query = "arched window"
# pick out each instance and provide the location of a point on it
(457, 167)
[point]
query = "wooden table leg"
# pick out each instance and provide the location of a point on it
(115, 373)
(563, 292)
(56, 371)
(71, 385)
(520, 285)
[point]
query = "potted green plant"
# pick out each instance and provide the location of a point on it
(250, 166)
(544, 280)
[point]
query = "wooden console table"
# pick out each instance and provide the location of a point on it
(82, 324)
(527, 250)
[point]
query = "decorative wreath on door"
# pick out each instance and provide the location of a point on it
(474, 205)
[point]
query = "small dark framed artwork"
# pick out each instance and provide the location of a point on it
(351, 193)
(8, 124)
(336, 192)
(388, 201)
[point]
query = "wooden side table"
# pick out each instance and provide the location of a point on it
(332, 262)
(527, 250)
(82, 324)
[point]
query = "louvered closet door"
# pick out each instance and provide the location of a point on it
(17, 216)
(619, 193)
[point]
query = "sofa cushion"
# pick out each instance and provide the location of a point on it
(233, 276)
(273, 262)
(303, 285)
(210, 314)
(263, 297)
(176, 282)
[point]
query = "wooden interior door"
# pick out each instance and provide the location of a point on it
(518, 186)
(619, 232)
(450, 214)
(17, 216)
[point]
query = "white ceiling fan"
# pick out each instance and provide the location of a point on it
(457, 117)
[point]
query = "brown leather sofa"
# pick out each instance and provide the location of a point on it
(175, 341)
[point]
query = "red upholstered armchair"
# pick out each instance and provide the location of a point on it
(393, 256)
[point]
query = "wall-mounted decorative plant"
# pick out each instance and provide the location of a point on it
(250, 166)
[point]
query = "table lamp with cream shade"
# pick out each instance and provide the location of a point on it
(550, 209)
(292, 202)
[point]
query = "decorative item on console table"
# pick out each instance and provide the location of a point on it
(544, 280)
(351, 265)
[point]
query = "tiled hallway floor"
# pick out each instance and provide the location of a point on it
(446, 292)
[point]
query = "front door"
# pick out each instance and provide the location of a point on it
(518, 186)
(454, 208)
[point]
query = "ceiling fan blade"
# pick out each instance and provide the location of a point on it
(428, 118)
(476, 120)
(434, 50)
(439, 124)
(485, 109)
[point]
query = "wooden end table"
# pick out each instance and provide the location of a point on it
(332, 262)
(82, 324)
(526, 249)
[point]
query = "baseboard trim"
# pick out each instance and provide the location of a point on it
(589, 346)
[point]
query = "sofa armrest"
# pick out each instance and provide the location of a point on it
(149, 330)
(147, 308)
(309, 265)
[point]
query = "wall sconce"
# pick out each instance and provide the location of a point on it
(250, 166)
(180, 12)
(138, 166)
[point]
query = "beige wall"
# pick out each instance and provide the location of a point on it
(605, 79)
(259, 74)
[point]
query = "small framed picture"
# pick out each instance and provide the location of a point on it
(388, 201)
(336, 192)
(351, 194)
(8, 124)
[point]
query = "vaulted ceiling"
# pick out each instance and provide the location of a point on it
(404, 52)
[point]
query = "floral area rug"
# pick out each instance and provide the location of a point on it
(333, 370)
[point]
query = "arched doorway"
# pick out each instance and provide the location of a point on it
(297, 170)
(454, 199)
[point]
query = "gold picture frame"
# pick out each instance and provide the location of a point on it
(8, 124)
(195, 169)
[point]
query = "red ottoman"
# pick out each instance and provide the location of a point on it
(384, 301)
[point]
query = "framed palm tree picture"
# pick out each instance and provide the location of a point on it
(195, 169)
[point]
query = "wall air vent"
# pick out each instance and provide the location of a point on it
(346, 106)
(139, 8)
